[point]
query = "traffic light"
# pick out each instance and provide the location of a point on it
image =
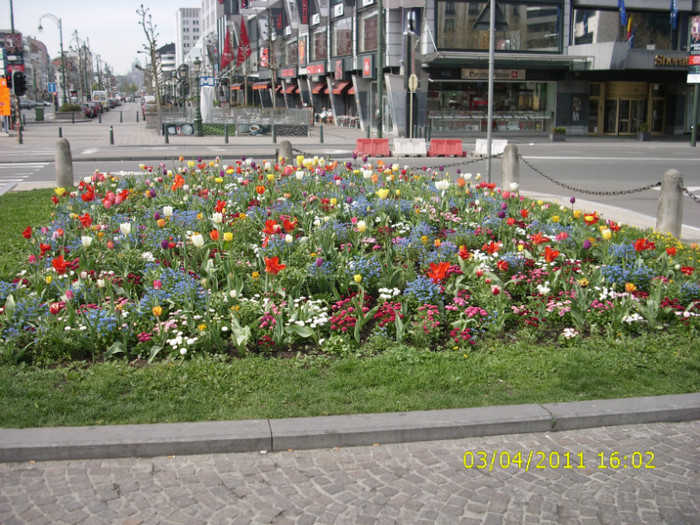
(19, 82)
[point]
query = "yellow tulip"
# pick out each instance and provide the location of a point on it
(59, 191)
(228, 236)
(357, 278)
(157, 311)
(383, 193)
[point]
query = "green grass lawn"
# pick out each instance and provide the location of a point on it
(400, 379)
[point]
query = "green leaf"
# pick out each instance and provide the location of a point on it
(301, 331)
(116, 348)
(154, 352)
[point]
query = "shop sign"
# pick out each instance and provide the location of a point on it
(498, 74)
(368, 66)
(339, 69)
(664, 61)
(316, 69)
(694, 49)
(338, 10)
(288, 73)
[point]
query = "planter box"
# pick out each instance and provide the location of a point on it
(644, 136)
(557, 137)
(70, 115)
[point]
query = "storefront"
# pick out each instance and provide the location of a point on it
(519, 104)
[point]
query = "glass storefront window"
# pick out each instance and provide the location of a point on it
(341, 37)
(518, 106)
(367, 39)
(531, 26)
(646, 28)
(318, 46)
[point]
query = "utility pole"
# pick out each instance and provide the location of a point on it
(380, 66)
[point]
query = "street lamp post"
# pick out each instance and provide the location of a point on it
(197, 110)
(63, 62)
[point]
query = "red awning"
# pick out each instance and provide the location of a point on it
(291, 88)
(261, 85)
(318, 88)
(279, 88)
(340, 87)
(351, 91)
(325, 90)
(235, 87)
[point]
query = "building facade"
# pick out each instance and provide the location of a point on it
(187, 32)
(586, 65)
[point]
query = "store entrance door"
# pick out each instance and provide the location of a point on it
(625, 106)
(623, 116)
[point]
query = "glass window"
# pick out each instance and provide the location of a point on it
(532, 26)
(292, 54)
(318, 46)
(645, 28)
(368, 33)
(341, 39)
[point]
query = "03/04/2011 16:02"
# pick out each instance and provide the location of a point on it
(537, 459)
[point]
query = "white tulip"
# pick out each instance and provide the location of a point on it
(197, 240)
(125, 228)
(168, 211)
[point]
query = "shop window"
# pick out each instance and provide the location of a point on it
(341, 37)
(368, 33)
(318, 47)
(646, 28)
(531, 26)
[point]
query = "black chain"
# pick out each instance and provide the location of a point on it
(696, 198)
(590, 192)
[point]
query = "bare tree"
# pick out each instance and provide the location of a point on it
(149, 29)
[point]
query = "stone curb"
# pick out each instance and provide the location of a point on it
(119, 441)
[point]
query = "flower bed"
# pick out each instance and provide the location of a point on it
(216, 257)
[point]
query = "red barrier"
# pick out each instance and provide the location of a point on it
(446, 148)
(373, 147)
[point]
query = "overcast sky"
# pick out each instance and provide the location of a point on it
(112, 27)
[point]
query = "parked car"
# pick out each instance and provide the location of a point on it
(25, 103)
(96, 108)
(88, 110)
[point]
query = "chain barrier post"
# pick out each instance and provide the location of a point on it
(510, 168)
(285, 151)
(166, 134)
(669, 216)
(111, 135)
(64, 164)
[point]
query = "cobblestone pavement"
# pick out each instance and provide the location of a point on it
(424, 482)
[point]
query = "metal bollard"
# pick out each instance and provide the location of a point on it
(137, 115)
(274, 134)
(226, 133)
(165, 133)
(24, 119)
(669, 216)
(19, 134)
(99, 117)
(111, 135)
(60, 132)
(320, 137)
(120, 117)
(72, 117)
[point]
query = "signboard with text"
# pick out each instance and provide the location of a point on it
(5, 108)
(694, 50)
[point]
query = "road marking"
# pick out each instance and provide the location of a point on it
(643, 159)
(89, 151)
(10, 174)
(691, 189)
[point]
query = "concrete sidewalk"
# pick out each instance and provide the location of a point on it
(117, 441)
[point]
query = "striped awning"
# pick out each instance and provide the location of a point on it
(236, 87)
(292, 88)
(261, 85)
